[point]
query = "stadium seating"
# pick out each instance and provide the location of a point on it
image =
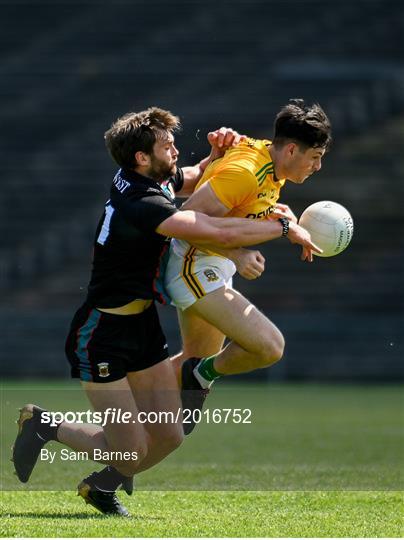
(81, 64)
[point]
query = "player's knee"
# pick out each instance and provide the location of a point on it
(176, 439)
(278, 348)
(272, 348)
(141, 452)
(172, 438)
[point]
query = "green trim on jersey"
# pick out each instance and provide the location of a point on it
(262, 177)
(263, 167)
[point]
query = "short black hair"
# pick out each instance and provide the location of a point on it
(307, 126)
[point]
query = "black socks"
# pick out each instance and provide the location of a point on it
(109, 479)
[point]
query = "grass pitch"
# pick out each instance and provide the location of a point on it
(209, 514)
(316, 460)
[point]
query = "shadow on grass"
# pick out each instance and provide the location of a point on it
(76, 515)
(56, 515)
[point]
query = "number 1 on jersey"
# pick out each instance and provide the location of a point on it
(104, 233)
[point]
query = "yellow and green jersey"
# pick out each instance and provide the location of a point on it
(243, 180)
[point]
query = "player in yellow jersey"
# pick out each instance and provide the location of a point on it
(245, 182)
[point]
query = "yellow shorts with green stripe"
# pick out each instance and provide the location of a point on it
(191, 274)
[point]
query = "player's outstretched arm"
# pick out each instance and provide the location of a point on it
(229, 232)
(197, 228)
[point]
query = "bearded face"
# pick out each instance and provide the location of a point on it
(163, 160)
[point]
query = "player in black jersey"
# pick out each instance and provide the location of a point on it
(116, 345)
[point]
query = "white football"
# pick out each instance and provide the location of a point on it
(330, 226)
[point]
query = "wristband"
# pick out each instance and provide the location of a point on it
(285, 226)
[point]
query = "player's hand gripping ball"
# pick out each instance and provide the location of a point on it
(330, 226)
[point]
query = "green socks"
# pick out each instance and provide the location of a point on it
(205, 371)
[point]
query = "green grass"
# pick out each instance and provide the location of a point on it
(210, 514)
(316, 461)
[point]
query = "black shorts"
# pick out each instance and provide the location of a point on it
(102, 347)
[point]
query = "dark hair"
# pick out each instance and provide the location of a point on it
(136, 132)
(307, 126)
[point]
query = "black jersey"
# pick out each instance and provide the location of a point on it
(127, 249)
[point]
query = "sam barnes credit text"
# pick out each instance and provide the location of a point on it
(96, 455)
